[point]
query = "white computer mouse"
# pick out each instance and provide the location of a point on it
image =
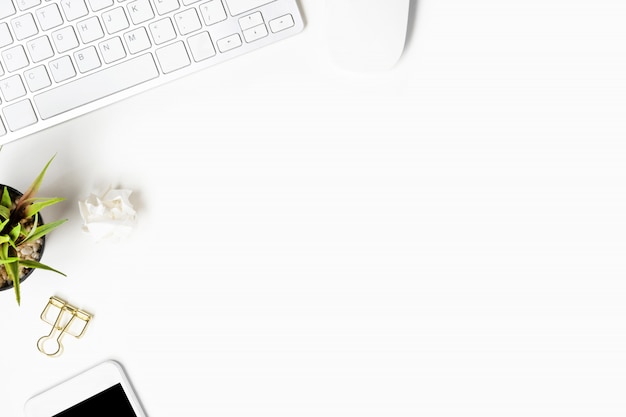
(366, 35)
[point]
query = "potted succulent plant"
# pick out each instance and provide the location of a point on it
(22, 233)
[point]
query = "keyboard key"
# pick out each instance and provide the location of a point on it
(90, 29)
(172, 57)
(19, 115)
(187, 21)
(162, 31)
(27, 4)
(87, 59)
(3, 130)
(115, 20)
(12, 88)
(40, 49)
(6, 8)
(230, 42)
(5, 35)
(137, 40)
(24, 26)
(201, 46)
(14, 58)
(140, 11)
(64, 39)
(74, 9)
(251, 21)
(241, 6)
(281, 23)
(255, 33)
(97, 5)
(96, 85)
(62, 69)
(166, 6)
(49, 16)
(37, 78)
(212, 12)
(112, 50)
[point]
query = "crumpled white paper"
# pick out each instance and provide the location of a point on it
(108, 217)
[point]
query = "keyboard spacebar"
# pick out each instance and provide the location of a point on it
(95, 86)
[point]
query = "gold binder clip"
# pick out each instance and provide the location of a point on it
(68, 320)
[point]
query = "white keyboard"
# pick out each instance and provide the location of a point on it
(63, 58)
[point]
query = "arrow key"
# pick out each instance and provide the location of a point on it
(230, 42)
(255, 33)
(281, 23)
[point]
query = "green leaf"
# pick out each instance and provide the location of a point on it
(18, 295)
(34, 187)
(4, 212)
(36, 207)
(6, 198)
(32, 229)
(13, 272)
(38, 265)
(8, 260)
(43, 230)
(15, 232)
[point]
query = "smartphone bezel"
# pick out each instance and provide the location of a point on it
(81, 387)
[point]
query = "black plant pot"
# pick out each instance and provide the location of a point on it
(15, 194)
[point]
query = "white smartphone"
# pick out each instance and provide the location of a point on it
(102, 389)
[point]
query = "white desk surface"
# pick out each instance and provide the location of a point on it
(444, 239)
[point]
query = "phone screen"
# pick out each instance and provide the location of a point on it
(112, 402)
